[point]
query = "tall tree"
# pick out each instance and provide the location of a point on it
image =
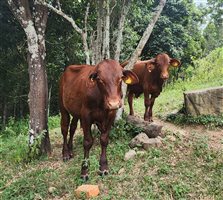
(96, 40)
(33, 18)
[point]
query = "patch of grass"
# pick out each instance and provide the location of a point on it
(209, 121)
(177, 170)
(54, 122)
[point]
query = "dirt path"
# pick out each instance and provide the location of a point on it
(215, 136)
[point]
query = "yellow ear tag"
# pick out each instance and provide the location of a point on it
(175, 64)
(128, 81)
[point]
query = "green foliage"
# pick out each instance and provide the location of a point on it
(207, 120)
(54, 122)
(15, 127)
(177, 32)
(14, 148)
(35, 147)
(123, 129)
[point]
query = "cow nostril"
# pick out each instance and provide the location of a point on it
(113, 105)
(164, 76)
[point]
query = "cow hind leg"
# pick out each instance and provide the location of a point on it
(65, 121)
(73, 126)
(130, 101)
(88, 142)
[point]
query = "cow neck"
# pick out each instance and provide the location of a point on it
(153, 77)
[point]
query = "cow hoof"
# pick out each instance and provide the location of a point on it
(71, 155)
(148, 120)
(103, 173)
(85, 177)
(67, 158)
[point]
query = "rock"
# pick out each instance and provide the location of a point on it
(121, 171)
(152, 142)
(87, 190)
(130, 154)
(51, 190)
(152, 130)
(204, 102)
(138, 140)
(171, 138)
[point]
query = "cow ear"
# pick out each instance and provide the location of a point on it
(130, 77)
(150, 66)
(174, 62)
(93, 76)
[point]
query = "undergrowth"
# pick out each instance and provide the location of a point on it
(209, 121)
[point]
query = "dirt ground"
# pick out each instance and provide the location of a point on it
(215, 136)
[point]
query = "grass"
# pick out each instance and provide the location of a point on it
(183, 169)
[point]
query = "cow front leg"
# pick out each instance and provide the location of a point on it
(73, 126)
(130, 101)
(65, 121)
(149, 102)
(103, 169)
(152, 100)
(88, 142)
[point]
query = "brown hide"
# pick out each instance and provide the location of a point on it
(152, 74)
(93, 95)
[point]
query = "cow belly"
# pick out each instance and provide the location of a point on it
(73, 105)
(136, 89)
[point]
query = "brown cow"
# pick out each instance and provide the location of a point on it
(152, 74)
(93, 95)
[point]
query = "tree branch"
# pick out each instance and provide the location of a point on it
(61, 13)
(125, 8)
(86, 17)
(146, 34)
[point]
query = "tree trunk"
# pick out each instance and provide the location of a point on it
(118, 43)
(106, 39)
(99, 39)
(146, 35)
(34, 25)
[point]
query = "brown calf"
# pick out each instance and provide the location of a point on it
(93, 95)
(152, 74)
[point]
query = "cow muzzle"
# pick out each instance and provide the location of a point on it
(113, 104)
(164, 76)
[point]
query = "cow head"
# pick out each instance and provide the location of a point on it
(108, 76)
(162, 62)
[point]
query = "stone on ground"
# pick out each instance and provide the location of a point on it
(87, 190)
(130, 155)
(152, 130)
(152, 142)
(142, 140)
(138, 140)
(204, 102)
